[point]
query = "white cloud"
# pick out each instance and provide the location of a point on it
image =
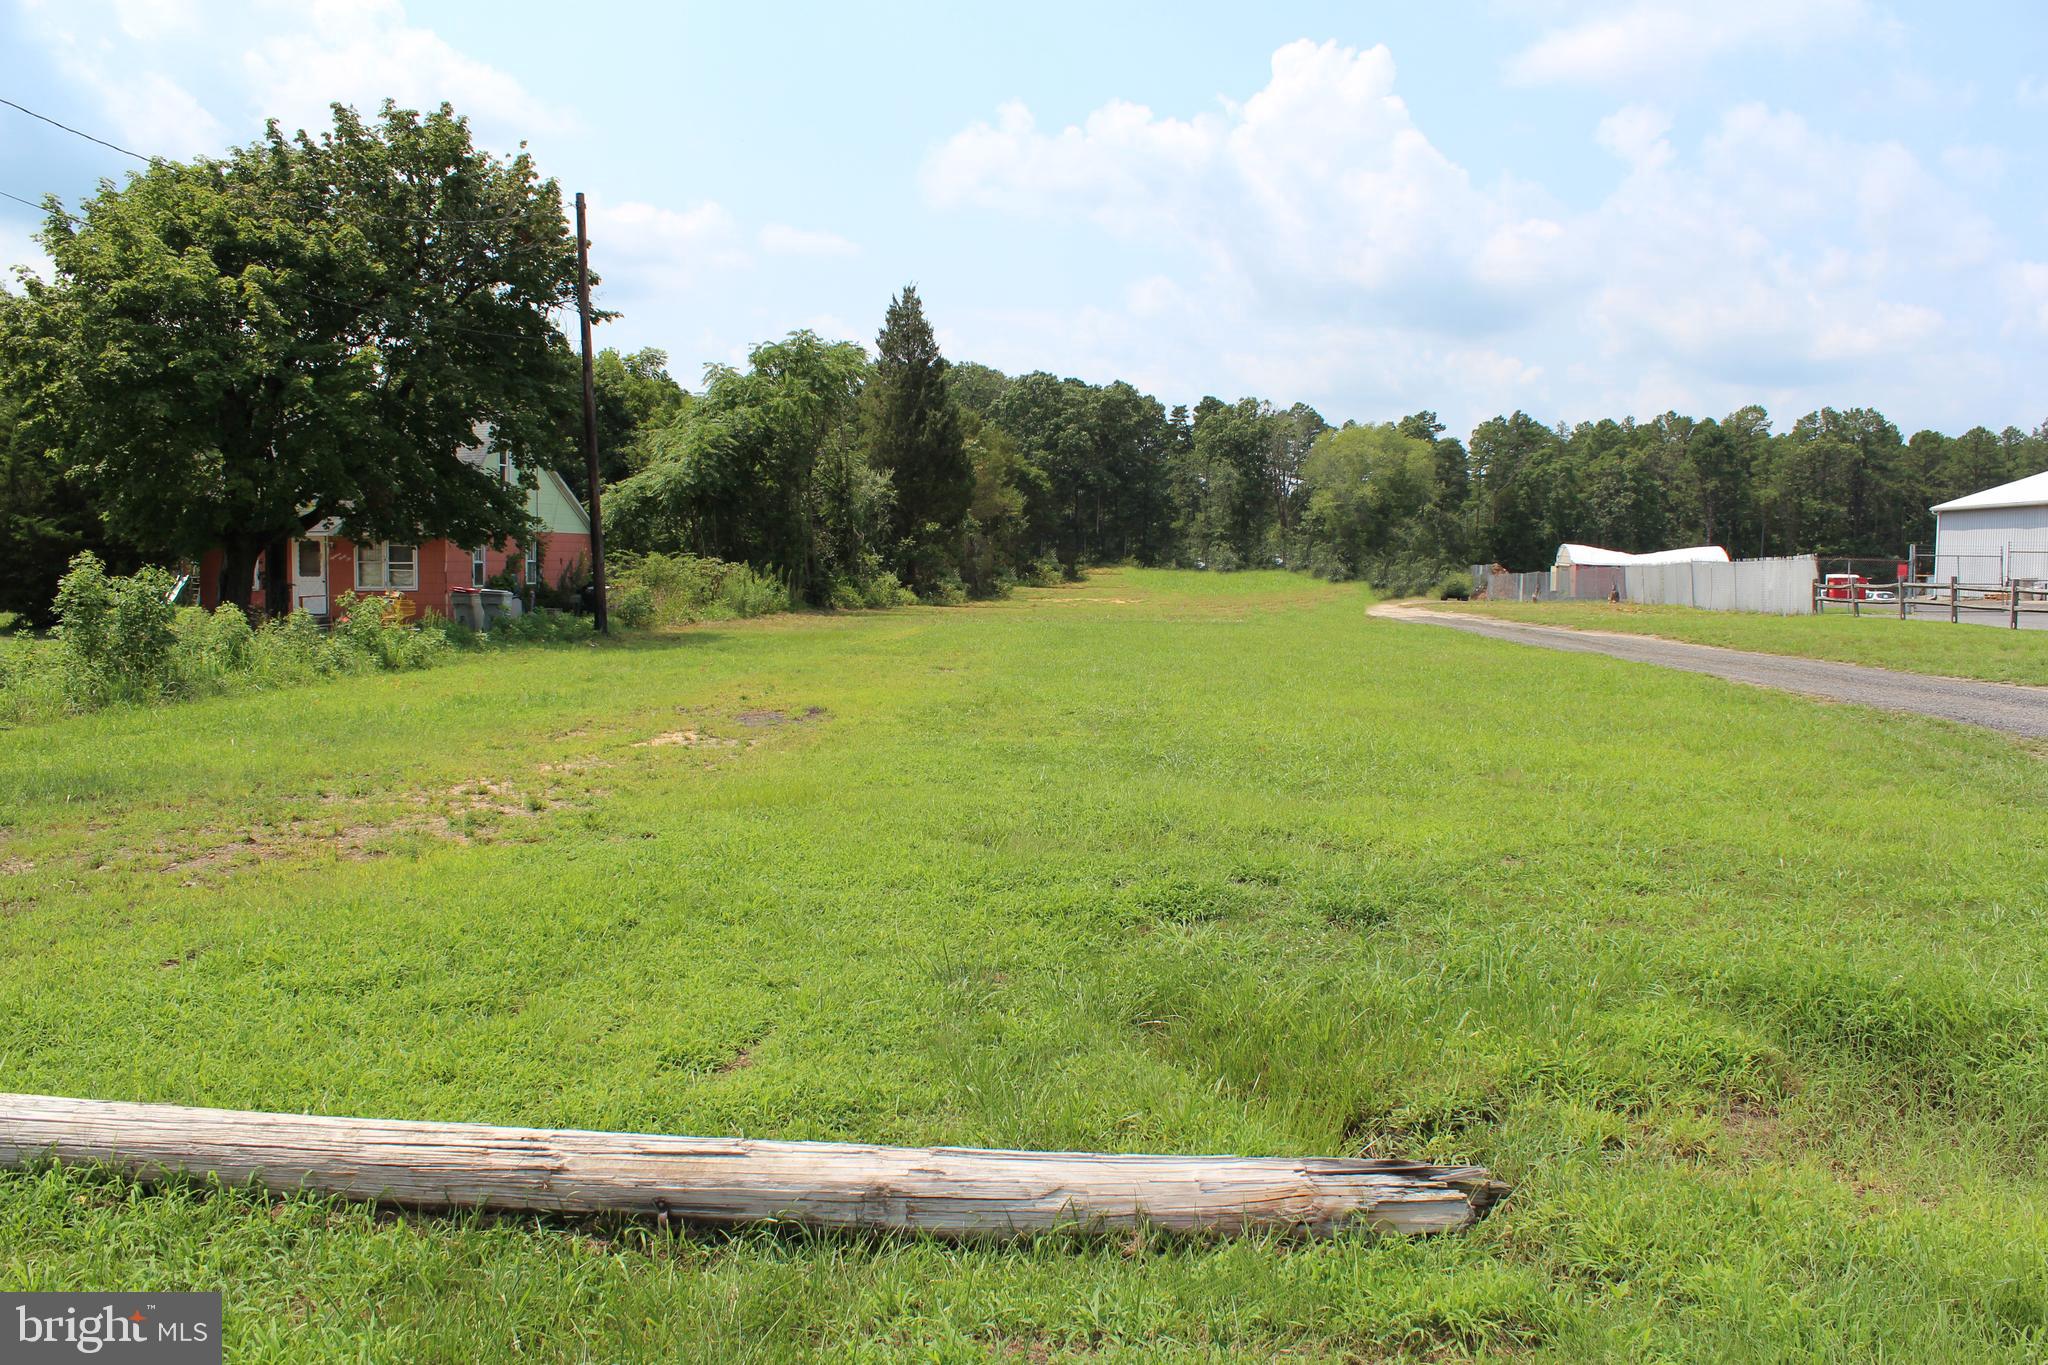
(1318, 181)
(682, 244)
(2029, 292)
(1646, 40)
(1312, 239)
(258, 59)
(362, 52)
(19, 248)
(149, 20)
(1975, 165)
(1636, 135)
(143, 109)
(780, 239)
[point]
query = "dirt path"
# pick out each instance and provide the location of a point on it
(1999, 706)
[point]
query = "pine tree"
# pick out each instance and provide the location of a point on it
(911, 429)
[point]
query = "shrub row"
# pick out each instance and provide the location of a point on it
(121, 640)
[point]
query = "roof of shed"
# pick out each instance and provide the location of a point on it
(1594, 556)
(2025, 492)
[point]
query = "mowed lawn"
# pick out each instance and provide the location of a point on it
(1748, 1004)
(1950, 649)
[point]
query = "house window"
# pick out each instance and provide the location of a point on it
(533, 561)
(477, 576)
(312, 559)
(504, 467)
(386, 566)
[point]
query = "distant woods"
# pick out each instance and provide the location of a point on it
(829, 469)
(842, 472)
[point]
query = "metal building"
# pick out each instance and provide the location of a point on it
(1994, 537)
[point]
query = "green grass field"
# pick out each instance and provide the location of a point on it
(1750, 1006)
(1965, 650)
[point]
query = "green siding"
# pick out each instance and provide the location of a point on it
(557, 507)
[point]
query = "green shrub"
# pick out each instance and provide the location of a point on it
(748, 593)
(543, 626)
(946, 590)
(115, 633)
(633, 609)
(290, 650)
(212, 647)
(375, 630)
(12, 622)
(1043, 572)
(1456, 587)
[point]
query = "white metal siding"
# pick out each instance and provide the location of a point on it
(1990, 544)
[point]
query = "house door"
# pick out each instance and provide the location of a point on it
(309, 576)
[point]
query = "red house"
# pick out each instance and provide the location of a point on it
(325, 564)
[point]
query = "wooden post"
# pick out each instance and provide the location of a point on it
(2012, 601)
(603, 608)
(1905, 587)
(1954, 604)
(945, 1191)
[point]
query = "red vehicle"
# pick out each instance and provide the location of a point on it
(1846, 587)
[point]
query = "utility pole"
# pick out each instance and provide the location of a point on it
(590, 421)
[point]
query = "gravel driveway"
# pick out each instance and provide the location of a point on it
(1999, 706)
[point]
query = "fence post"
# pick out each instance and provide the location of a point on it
(1855, 598)
(1905, 586)
(1954, 611)
(2012, 594)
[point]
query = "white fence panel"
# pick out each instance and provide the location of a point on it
(1781, 587)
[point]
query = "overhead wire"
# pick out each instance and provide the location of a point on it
(154, 160)
(368, 213)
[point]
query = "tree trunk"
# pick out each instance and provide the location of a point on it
(277, 578)
(238, 571)
(945, 1191)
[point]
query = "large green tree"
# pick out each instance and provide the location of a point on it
(910, 428)
(636, 397)
(738, 475)
(1367, 490)
(235, 348)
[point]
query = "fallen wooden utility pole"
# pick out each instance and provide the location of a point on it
(947, 1191)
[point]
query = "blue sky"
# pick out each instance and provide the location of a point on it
(1580, 209)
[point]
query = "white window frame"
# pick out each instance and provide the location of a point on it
(377, 571)
(478, 567)
(533, 561)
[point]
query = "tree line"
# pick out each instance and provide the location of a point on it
(235, 348)
(818, 466)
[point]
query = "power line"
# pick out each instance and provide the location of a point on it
(111, 146)
(39, 208)
(153, 160)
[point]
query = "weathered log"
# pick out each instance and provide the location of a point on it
(947, 1191)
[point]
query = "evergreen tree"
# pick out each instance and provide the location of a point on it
(911, 430)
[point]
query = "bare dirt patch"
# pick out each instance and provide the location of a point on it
(687, 739)
(464, 813)
(16, 867)
(755, 720)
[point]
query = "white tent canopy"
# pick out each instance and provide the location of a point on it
(1584, 556)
